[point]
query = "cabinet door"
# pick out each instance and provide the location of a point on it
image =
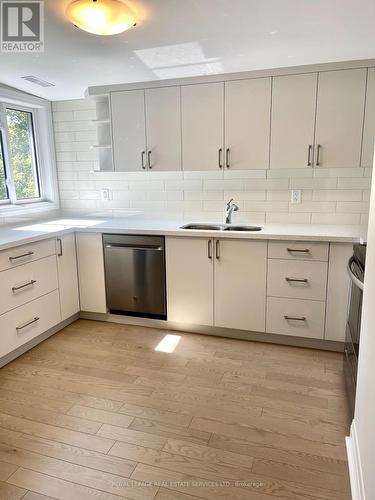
(163, 127)
(202, 126)
(128, 130)
(67, 275)
(293, 120)
(339, 118)
(189, 264)
(240, 284)
(91, 272)
(367, 159)
(247, 123)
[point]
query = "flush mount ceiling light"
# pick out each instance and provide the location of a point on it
(101, 17)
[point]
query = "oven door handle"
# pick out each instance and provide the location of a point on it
(352, 276)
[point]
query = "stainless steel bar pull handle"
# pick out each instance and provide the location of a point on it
(20, 287)
(149, 160)
(298, 250)
(300, 280)
(227, 158)
(143, 154)
(217, 249)
(220, 157)
(209, 249)
(21, 327)
(318, 149)
(309, 155)
(28, 254)
(60, 250)
(295, 318)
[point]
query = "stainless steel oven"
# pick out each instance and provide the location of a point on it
(356, 271)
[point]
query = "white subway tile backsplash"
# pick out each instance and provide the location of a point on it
(362, 183)
(329, 195)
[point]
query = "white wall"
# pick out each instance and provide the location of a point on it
(365, 401)
(330, 196)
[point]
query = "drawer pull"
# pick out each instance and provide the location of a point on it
(16, 288)
(28, 254)
(301, 280)
(295, 318)
(298, 250)
(21, 327)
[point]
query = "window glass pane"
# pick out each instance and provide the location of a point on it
(3, 187)
(22, 154)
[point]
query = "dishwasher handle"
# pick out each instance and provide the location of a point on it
(352, 276)
(157, 248)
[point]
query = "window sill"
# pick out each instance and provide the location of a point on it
(28, 208)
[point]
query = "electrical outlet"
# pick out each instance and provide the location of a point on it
(105, 194)
(296, 196)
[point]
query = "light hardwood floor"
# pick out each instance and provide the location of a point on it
(95, 412)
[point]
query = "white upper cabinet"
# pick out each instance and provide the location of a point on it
(240, 284)
(339, 118)
(369, 125)
(247, 123)
(163, 128)
(128, 130)
(67, 274)
(203, 126)
(293, 120)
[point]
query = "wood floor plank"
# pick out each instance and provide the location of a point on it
(56, 488)
(10, 492)
(164, 494)
(69, 453)
(156, 414)
(213, 470)
(6, 470)
(132, 436)
(304, 459)
(49, 417)
(35, 401)
(103, 416)
(168, 430)
(87, 441)
(30, 495)
(84, 476)
(263, 437)
(54, 394)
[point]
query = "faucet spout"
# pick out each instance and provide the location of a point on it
(230, 208)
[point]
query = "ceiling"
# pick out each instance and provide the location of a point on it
(177, 38)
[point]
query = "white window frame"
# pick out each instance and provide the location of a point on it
(44, 152)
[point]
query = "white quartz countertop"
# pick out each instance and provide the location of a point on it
(11, 236)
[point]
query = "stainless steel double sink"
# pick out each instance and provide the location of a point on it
(220, 227)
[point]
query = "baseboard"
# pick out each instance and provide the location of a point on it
(326, 345)
(37, 340)
(354, 462)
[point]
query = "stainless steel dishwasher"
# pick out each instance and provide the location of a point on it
(135, 275)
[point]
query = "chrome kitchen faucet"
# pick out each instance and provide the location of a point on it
(230, 208)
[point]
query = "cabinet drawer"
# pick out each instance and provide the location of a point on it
(14, 328)
(298, 250)
(26, 253)
(297, 279)
(27, 282)
(308, 314)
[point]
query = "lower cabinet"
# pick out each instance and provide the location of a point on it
(240, 284)
(24, 323)
(189, 268)
(91, 272)
(296, 317)
(67, 275)
(217, 282)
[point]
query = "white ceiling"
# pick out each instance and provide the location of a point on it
(177, 38)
